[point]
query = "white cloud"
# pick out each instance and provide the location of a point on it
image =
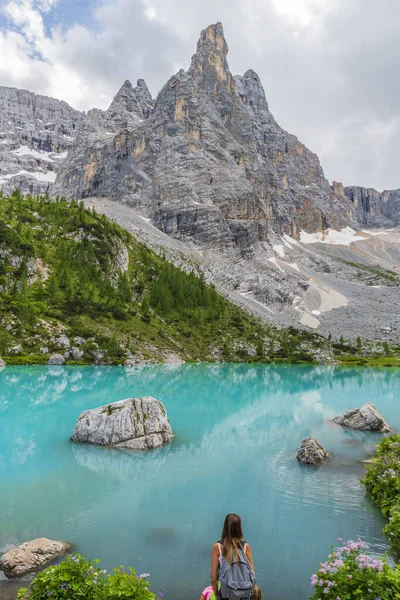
(46, 5)
(23, 14)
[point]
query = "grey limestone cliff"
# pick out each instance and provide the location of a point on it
(35, 135)
(375, 209)
(209, 164)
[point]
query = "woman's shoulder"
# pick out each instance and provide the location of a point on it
(217, 544)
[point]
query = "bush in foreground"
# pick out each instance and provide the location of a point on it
(382, 481)
(351, 573)
(76, 578)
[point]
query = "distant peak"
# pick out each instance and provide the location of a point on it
(212, 39)
(250, 74)
(209, 65)
(126, 86)
(142, 84)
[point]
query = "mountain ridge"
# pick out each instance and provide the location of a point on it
(209, 166)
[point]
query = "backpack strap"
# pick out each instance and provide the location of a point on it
(219, 548)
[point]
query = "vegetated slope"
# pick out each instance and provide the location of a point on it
(67, 270)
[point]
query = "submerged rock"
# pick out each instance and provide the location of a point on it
(135, 423)
(366, 418)
(31, 556)
(56, 359)
(311, 452)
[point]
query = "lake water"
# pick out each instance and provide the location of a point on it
(237, 429)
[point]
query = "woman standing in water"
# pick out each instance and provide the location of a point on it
(231, 541)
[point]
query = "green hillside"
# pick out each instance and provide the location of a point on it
(65, 270)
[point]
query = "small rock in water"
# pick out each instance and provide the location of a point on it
(31, 556)
(161, 535)
(311, 452)
(135, 423)
(366, 418)
(56, 359)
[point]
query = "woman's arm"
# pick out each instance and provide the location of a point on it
(214, 569)
(249, 555)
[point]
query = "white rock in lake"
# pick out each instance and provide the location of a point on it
(135, 423)
(312, 452)
(31, 556)
(366, 418)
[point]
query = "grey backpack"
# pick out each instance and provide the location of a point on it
(237, 579)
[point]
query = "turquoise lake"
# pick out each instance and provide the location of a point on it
(237, 430)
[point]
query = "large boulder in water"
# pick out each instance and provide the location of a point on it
(135, 423)
(366, 418)
(31, 556)
(311, 452)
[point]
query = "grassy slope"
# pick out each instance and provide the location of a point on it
(64, 269)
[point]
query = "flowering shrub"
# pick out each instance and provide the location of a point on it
(392, 531)
(383, 483)
(79, 579)
(351, 573)
(383, 475)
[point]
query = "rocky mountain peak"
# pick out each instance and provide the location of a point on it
(209, 65)
(144, 98)
(254, 87)
(127, 102)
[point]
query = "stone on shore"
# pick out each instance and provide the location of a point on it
(311, 452)
(2, 363)
(56, 359)
(135, 423)
(366, 418)
(75, 353)
(31, 556)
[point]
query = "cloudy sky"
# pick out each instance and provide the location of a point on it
(330, 68)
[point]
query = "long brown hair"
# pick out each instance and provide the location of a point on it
(232, 535)
(257, 593)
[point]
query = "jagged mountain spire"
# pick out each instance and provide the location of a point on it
(132, 100)
(209, 65)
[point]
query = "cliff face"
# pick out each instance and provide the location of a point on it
(375, 209)
(209, 166)
(209, 163)
(35, 134)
